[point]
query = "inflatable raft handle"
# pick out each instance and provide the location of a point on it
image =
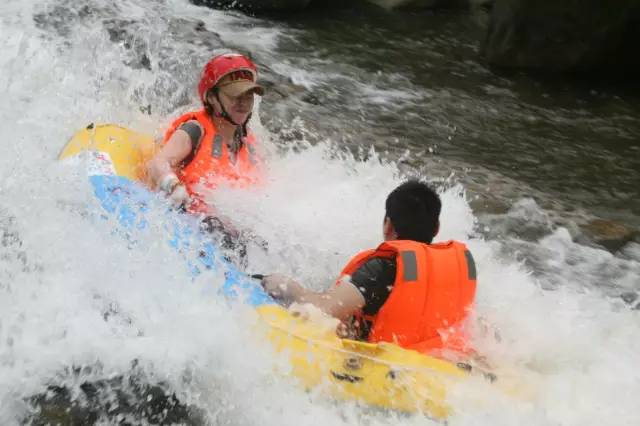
(362, 347)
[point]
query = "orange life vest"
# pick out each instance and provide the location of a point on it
(211, 162)
(433, 291)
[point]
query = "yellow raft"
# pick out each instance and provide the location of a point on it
(382, 375)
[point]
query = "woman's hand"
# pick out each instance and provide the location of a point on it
(174, 190)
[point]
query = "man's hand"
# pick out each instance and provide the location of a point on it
(281, 287)
(339, 301)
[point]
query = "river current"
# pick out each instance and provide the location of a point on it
(531, 170)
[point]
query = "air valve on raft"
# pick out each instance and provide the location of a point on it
(353, 363)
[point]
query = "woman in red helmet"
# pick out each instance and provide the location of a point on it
(212, 144)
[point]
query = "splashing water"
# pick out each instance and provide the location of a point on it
(73, 293)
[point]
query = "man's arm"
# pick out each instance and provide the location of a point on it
(339, 301)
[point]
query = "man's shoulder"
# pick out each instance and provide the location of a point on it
(375, 268)
(380, 263)
(374, 279)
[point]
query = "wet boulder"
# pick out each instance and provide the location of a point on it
(419, 4)
(126, 399)
(395, 4)
(572, 36)
(254, 5)
(611, 235)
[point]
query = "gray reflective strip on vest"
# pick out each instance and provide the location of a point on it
(193, 129)
(410, 265)
(252, 154)
(471, 265)
(216, 149)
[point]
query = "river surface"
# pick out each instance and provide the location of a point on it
(536, 176)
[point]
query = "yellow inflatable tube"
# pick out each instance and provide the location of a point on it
(128, 151)
(382, 375)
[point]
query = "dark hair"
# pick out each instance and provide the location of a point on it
(207, 106)
(414, 210)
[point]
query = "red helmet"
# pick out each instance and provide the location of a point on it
(223, 65)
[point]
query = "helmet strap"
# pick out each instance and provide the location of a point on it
(224, 114)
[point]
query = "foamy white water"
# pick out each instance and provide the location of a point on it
(61, 269)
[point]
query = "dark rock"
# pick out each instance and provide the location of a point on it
(420, 4)
(326, 4)
(312, 99)
(124, 399)
(200, 26)
(406, 4)
(254, 5)
(277, 85)
(629, 297)
(122, 32)
(611, 235)
(61, 19)
(572, 36)
(486, 4)
(527, 221)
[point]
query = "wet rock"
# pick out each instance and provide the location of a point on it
(120, 31)
(396, 4)
(326, 4)
(254, 5)
(419, 4)
(124, 399)
(487, 4)
(278, 86)
(524, 220)
(61, 19)
(586, 36)
(631, 298)
(611, 235)
(312, 98)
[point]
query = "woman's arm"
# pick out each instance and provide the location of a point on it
(164, 163)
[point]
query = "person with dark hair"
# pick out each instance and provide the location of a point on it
(408, 290)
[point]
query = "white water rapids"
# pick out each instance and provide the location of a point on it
(59, 272)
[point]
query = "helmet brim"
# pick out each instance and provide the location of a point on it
(237, 88)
